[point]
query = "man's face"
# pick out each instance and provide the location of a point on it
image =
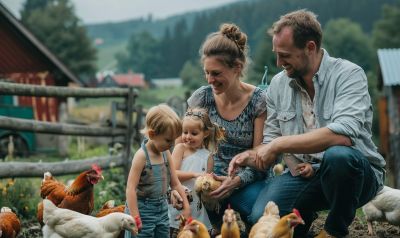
(288, 56)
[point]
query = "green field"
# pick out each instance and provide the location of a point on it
(106, 55)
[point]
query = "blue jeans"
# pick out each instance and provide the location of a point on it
(241, 201)
(154, 215)
(344, 182)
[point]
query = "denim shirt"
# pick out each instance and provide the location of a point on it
(341, 103)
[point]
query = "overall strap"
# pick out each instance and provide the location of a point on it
(143, 145)
(165, 159)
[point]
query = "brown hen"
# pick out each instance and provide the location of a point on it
(10, 225)
(194, 229)
(78, 197)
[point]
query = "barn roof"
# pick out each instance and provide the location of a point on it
(389, 61)
(21, 51)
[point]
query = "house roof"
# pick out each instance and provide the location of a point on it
(20, 50)
(389, 61)
(136, 80)
(130, 79)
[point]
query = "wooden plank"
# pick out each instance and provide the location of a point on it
(12, 123)
(37, 169)
(54, 91)
(383, 126)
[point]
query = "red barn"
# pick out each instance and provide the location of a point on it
(24, 59)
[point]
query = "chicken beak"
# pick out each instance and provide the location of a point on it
(102, 177)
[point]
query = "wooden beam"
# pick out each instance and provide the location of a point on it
(54, 91)
(11, 123)
(37, 169)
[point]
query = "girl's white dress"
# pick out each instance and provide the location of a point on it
(196, 162)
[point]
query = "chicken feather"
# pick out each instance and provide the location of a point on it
(60, 222)
(384, 207)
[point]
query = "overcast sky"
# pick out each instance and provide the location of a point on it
(97, 11)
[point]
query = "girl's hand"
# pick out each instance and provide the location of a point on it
(305, 170)
(227, 186)
(176, 200)
(195, 175)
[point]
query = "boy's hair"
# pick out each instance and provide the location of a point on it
(217, 133)
(304, 25)
(162, 119)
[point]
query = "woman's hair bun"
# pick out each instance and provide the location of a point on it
(233, 32)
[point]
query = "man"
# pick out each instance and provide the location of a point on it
(319, 121)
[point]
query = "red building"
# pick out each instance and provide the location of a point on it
(24, 59)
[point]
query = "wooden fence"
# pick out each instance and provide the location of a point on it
(36, 169)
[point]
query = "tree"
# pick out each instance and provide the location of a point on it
(345, 39)
(386, 32)
(54, 23)
(142, 55)
(192, 75)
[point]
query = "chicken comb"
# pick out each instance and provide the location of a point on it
(189, 220)
(96, 168)
(229, 206)
(295, 211)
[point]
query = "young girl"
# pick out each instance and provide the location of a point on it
(151, 174)
(191, 158)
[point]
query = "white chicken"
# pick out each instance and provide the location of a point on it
(384, 207)
(64, 223)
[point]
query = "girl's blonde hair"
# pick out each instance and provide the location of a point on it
(162, 119)
(217, 133)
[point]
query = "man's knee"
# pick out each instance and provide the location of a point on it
(337, 156)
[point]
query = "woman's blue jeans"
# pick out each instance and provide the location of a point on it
(344, 182)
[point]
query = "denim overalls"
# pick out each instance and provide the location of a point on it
(151, 195)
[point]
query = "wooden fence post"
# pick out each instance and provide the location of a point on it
(129, 102)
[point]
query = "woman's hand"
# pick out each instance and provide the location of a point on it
(305, 170)
(227, 186)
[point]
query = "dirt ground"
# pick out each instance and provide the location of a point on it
(359, 228)
(31, 229)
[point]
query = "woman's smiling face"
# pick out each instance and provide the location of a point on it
(218, 75)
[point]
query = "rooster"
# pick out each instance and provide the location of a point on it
(230, 227)
(203, 186)
(194, 229)
(60, 222)
(10, 225)
(384, 207)
(77, 197)
(270, 225)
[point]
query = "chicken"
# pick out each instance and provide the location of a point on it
(384, 207)
(230, 227)
(65, 223)
(109, 207)
(77, 197)
(10, 225)
(270, 225)
(194, 229)
(203, 186)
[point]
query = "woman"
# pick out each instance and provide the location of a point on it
(238, 107)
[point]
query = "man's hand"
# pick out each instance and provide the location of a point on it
(265, 155)
(305, 170)
(227, 186)
(246, 158)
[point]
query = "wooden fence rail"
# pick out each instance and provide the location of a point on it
(18, 124)
(37, 169)
(130, 133)
(55, 91)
